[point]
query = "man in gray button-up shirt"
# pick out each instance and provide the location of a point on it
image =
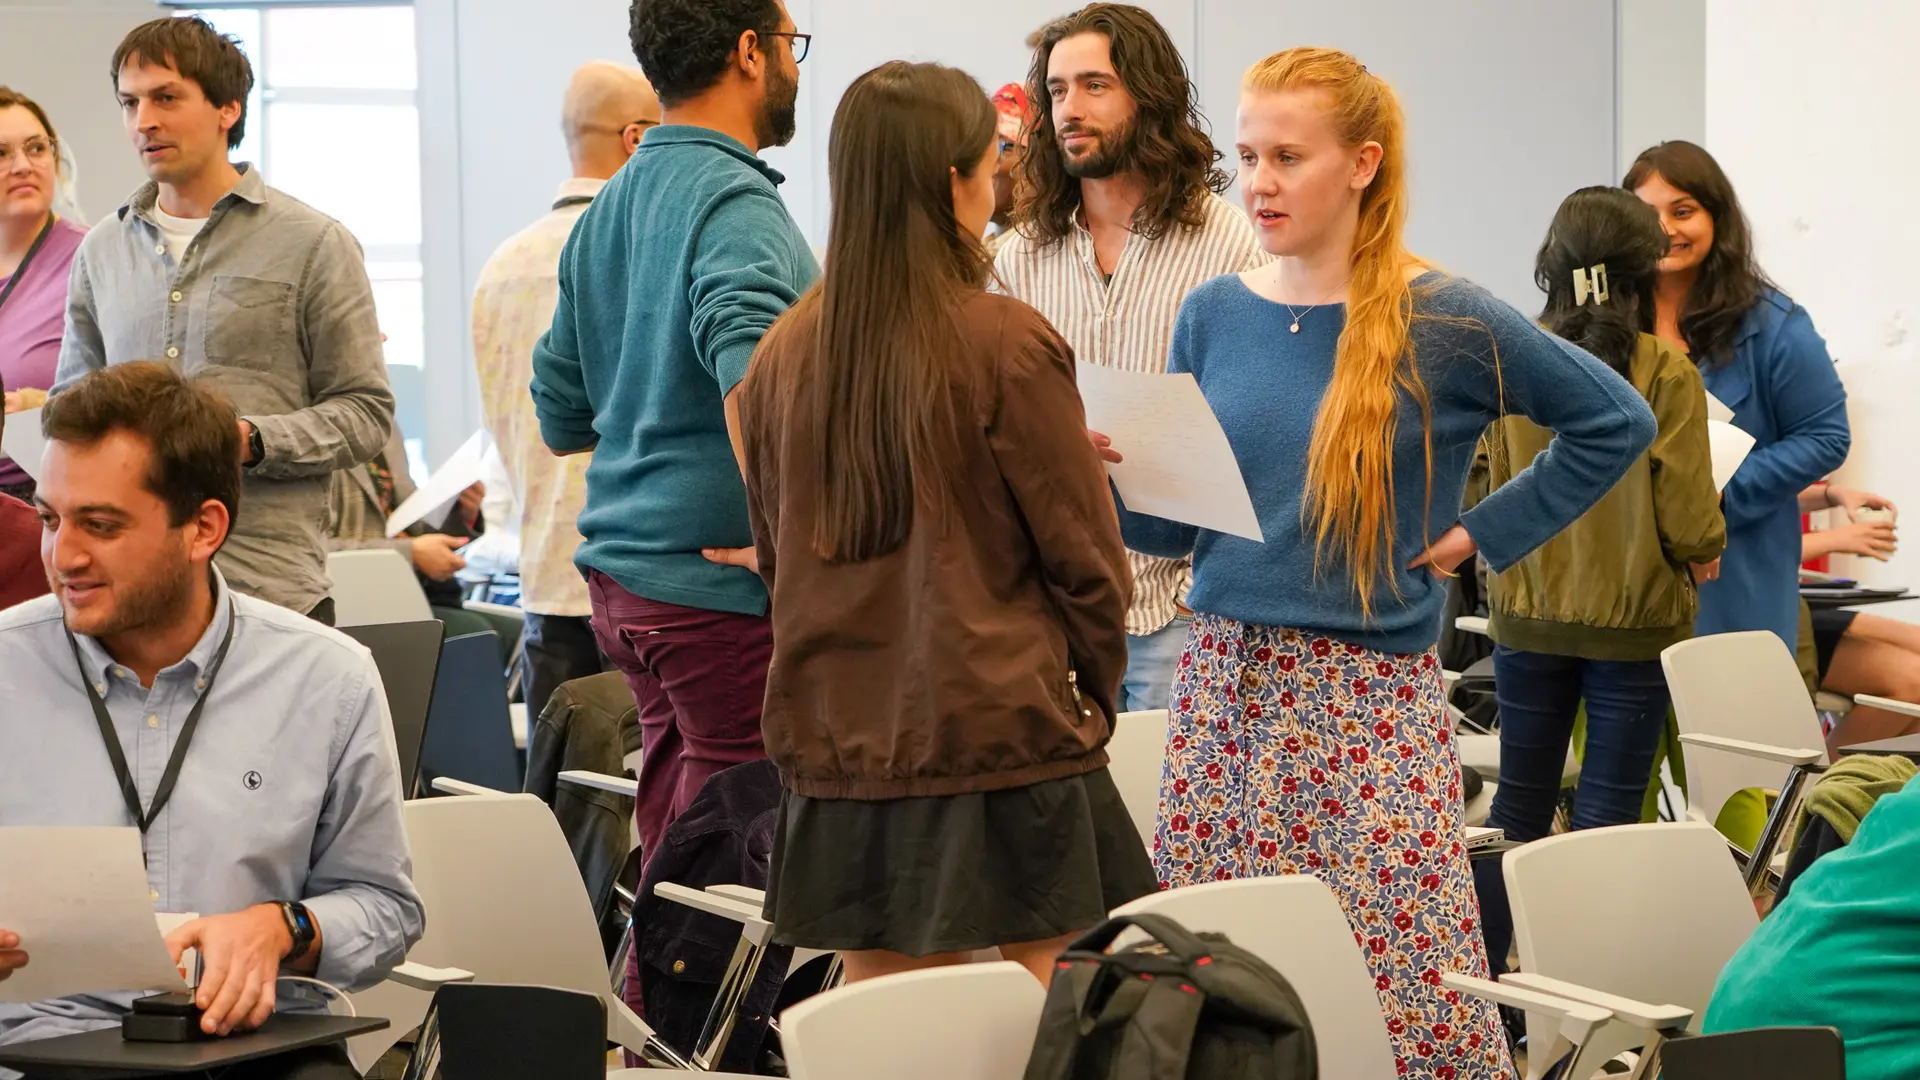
(288, 790)
(268, 302)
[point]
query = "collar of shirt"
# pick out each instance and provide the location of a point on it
(95, 660)
(251, 188)
(579, 187)
(671, 134)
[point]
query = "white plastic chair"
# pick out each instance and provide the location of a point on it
(1747, 722)
(501, 889)
(375, 585)
(1622, 916)
(1295, 924)
(1137, 756)
(970, 1022)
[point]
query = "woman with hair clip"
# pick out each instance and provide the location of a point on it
(1759, 354)
(944, 563)
(1585, 617)
(1309, 731)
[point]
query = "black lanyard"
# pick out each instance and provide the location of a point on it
(21, 270)
(119, 756)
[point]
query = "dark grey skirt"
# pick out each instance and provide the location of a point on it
(954, 873)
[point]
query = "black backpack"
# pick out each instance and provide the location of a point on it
(1182, 1006)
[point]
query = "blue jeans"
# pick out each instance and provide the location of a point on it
(1151, 661)
(1539, 697)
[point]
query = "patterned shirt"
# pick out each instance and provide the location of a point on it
(512, 306)
(1128, 324)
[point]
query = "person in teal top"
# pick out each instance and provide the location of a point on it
(667, 284)
(1843, 951)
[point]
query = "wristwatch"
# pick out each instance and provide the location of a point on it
(301, 926)
(256, 446)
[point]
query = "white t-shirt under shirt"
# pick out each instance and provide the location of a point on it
(178, 231)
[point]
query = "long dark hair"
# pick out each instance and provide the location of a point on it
(1609, 227)
(1172, 152)
(882, 321)
(1730, 281)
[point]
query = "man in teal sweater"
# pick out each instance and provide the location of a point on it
(671, 276)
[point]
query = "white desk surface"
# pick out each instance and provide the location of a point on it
(1906, 611)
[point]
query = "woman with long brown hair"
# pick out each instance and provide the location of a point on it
(1309, 732)
(948, 586)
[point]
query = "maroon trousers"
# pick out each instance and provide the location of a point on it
(699, 678)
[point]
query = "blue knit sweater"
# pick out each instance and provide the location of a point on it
(1266, 384)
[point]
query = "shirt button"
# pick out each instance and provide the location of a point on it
(153, 894)
(173, 352)
(176, 296)
(153, 721)
(159, 249)
(100, 688)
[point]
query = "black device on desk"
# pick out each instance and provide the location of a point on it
(104, 1055)
(163, 1018)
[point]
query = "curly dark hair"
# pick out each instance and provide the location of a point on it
(1601, 226)
(1730, 280)
(683, 45)
(1170, 146)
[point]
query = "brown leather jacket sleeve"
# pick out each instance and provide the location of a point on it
(1038, 436)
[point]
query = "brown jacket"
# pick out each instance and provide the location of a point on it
(943, 667)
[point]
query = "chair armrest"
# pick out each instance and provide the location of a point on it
(422, 977)
(744, 893)
(619, 785)
(1472, 624)
(1633, 1013)
(447, 785)
(701, 900)
(1904, 708)
(1585, 1017)
(505, 611)
(1764, 751)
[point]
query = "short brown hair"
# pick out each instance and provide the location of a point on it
(191, 46)
(194, 433)
(11, 98)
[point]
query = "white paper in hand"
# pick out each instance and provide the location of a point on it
(22, 441)
(1730, 447)
(1178, 464)
(1717, 410)
(78, 899)
(435, 497)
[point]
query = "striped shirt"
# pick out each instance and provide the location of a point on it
(1128, 324)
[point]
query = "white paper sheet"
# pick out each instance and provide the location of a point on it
(22, 440)
(1717, 410)
(433, 498)
(1730, 447)
(1178, 464)
(78, 899)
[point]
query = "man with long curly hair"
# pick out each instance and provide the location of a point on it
(1117, 217)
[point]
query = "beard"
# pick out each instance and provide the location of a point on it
(776, 123)
(155, 598)
(1113, 152)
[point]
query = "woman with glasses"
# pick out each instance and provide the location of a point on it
(36, 250)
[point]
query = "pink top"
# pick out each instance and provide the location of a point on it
(32, 319)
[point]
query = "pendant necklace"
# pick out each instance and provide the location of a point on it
(1308, 310)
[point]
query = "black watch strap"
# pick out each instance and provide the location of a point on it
(256, 446)
(301, 927)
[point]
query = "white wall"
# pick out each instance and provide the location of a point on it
(57, 53)
(1810, 108)
(1511, 105)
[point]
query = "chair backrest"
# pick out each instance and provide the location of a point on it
(408, 656)
(1649, 912)
(469, 735)
(971, 1022)
(1137, 756)
(489, 1032)
(1759, 1054)
(1737, 686)
(1296, 925)
(375, 586)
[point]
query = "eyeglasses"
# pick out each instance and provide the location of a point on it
(801, 42)
(35, 151)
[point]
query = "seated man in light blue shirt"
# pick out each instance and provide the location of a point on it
(282, 829)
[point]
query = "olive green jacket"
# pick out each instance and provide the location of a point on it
(1615, 584)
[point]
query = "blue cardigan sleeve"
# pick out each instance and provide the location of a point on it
(1809, 408)
(1600, 425)
(1145, 533)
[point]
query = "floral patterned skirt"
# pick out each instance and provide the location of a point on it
(1295, 754)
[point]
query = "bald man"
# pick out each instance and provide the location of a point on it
(607, 109)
